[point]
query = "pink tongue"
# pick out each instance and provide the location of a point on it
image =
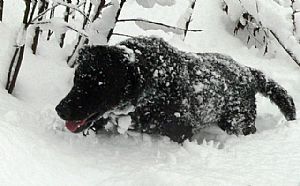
(73, 126)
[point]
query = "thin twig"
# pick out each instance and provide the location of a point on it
(158, 23)
(125, 35)
(77, 30)
(247, 28)
(71, 6)
(189, 20)
(43, 13)
(293, 17)
(88, 15)
(56, 5)
(77, 7)
(81, 32)
(254, 26)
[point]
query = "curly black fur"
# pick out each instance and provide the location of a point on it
(174, 93)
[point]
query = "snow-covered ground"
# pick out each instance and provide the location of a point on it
(36, 149)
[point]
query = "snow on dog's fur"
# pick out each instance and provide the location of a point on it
(173, 93)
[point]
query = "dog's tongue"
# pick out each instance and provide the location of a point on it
(75, 126)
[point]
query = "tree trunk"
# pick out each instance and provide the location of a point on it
(17, 59)
(1, 9)
(66, 18)
(50, 32)
(34, 3)
(15, 68)
(42, 7)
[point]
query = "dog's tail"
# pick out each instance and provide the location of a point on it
(276, 93)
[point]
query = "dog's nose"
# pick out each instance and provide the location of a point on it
(63, 111)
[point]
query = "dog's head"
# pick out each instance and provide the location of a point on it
(103, 80)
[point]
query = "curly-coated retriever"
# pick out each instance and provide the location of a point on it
(172, 92)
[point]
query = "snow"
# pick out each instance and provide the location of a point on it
(145, 25)
(99, 29)
(269, 14)
(36, 149)
(123, 124)
(198, 87)
(151, 3)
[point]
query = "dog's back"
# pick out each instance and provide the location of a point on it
(203, 82)
(200, 89)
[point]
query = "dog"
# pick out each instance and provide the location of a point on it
(172, 93)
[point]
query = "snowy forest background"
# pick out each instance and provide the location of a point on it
(40, 40)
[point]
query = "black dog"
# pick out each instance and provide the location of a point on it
(173, 93)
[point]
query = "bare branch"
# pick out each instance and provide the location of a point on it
(158, 23)
(190, 19)
(293, 16)
(288, 51)
(67, 25)
(125, 35)
(43, 13)
(76, 8)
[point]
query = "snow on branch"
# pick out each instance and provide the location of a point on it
(56, 3)
(265, 21)
(60, 26)
(151, 25)
(186, 18)
(100, 29)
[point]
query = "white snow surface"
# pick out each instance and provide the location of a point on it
(36, 149)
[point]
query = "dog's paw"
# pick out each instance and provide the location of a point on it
(249, 130)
